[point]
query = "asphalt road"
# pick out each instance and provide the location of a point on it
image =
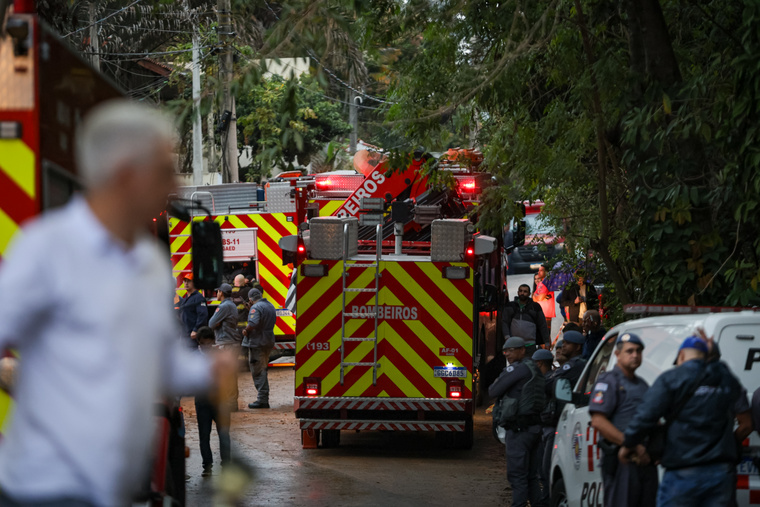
(368, 469)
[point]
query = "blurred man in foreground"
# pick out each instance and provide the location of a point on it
(92, 368)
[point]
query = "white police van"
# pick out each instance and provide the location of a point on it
(576, 478)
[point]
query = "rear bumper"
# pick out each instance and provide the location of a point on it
(362, 425)
(386, 414)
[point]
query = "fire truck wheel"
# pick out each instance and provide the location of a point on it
(330, 438)
(464, 439)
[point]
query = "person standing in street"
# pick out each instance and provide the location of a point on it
(700, 451)
(545, 298)
(525, 319)
(91, 372)
(259, 338)
(523, 438)
(578, 298)
(193, 312)
(224, 322)
(207, 413)
(614, 400)
(592, 326)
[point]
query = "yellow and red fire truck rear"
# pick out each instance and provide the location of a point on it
(253, 218)
(393, 310)
(45, 90)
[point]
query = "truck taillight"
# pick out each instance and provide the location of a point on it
(468, 185)
(455, 388)
(300, 250)
(312, 386)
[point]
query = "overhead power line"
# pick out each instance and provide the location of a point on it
(102, 19)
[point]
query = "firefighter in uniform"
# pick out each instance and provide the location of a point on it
(613, 403)
(523, 440)
(259, 338)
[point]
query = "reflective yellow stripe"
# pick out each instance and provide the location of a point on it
(6, 404)
(8, 229)
(18, 164)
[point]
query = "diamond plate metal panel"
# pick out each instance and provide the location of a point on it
(449, 237)
(326, 237)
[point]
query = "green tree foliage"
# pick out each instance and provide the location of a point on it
(281, 120)
(635, 121)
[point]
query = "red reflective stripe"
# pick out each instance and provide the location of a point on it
(16, 203)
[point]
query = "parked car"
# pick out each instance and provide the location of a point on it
(541, 243)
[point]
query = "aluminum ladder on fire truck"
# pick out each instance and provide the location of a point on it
(374, 315)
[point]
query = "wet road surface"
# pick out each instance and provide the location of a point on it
(368, 468)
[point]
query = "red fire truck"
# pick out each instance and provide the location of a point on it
(396, 307)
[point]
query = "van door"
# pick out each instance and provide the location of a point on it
(576, 450)
(740, 349)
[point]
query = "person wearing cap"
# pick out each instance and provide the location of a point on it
(700, 451)
(594, 331)
(545, 362)
(259, 338)
(525, 319)
(224, 322)
(572, 348)
(193, 312)
(523, 442)
(614, 399)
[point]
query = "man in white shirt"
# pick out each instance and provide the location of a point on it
(91, 369)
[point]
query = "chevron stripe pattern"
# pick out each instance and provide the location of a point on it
(19, 200)
(426, 322)
(273, 276)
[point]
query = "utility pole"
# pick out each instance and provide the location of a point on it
(197, 129)
(229, 148)
(353, 119)
(94, 43)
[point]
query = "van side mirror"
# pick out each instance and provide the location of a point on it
(208, 255)
(563, 390)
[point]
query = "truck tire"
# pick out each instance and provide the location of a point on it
(330, 439)
(464, 439)
(559, 494)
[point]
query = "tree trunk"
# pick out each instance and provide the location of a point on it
(604, 212)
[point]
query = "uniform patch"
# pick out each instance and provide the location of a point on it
(510, 368)
(601, 386)
(566, 366)
(598, 397)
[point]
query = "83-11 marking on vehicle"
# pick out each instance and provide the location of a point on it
(318, 346)
(450, 371)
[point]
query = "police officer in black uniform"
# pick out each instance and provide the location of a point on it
(545, 360)
(523, 442)
(613, 403)
(572, 348)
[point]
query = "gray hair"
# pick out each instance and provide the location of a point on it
(118, 133)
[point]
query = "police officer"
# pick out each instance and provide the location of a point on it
(572, 348)
(700, 452)
(259, 338)
(544, 360)
(614, 400)
(523, 441)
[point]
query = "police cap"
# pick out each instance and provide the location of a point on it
(514, 342)
(694, 342)
(629, 338)
(542, 355)
(254, 294)
(225, 288)
(573, 337)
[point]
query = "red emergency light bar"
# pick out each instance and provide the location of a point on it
(468, 185)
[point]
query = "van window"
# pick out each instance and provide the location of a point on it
(598, 366)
